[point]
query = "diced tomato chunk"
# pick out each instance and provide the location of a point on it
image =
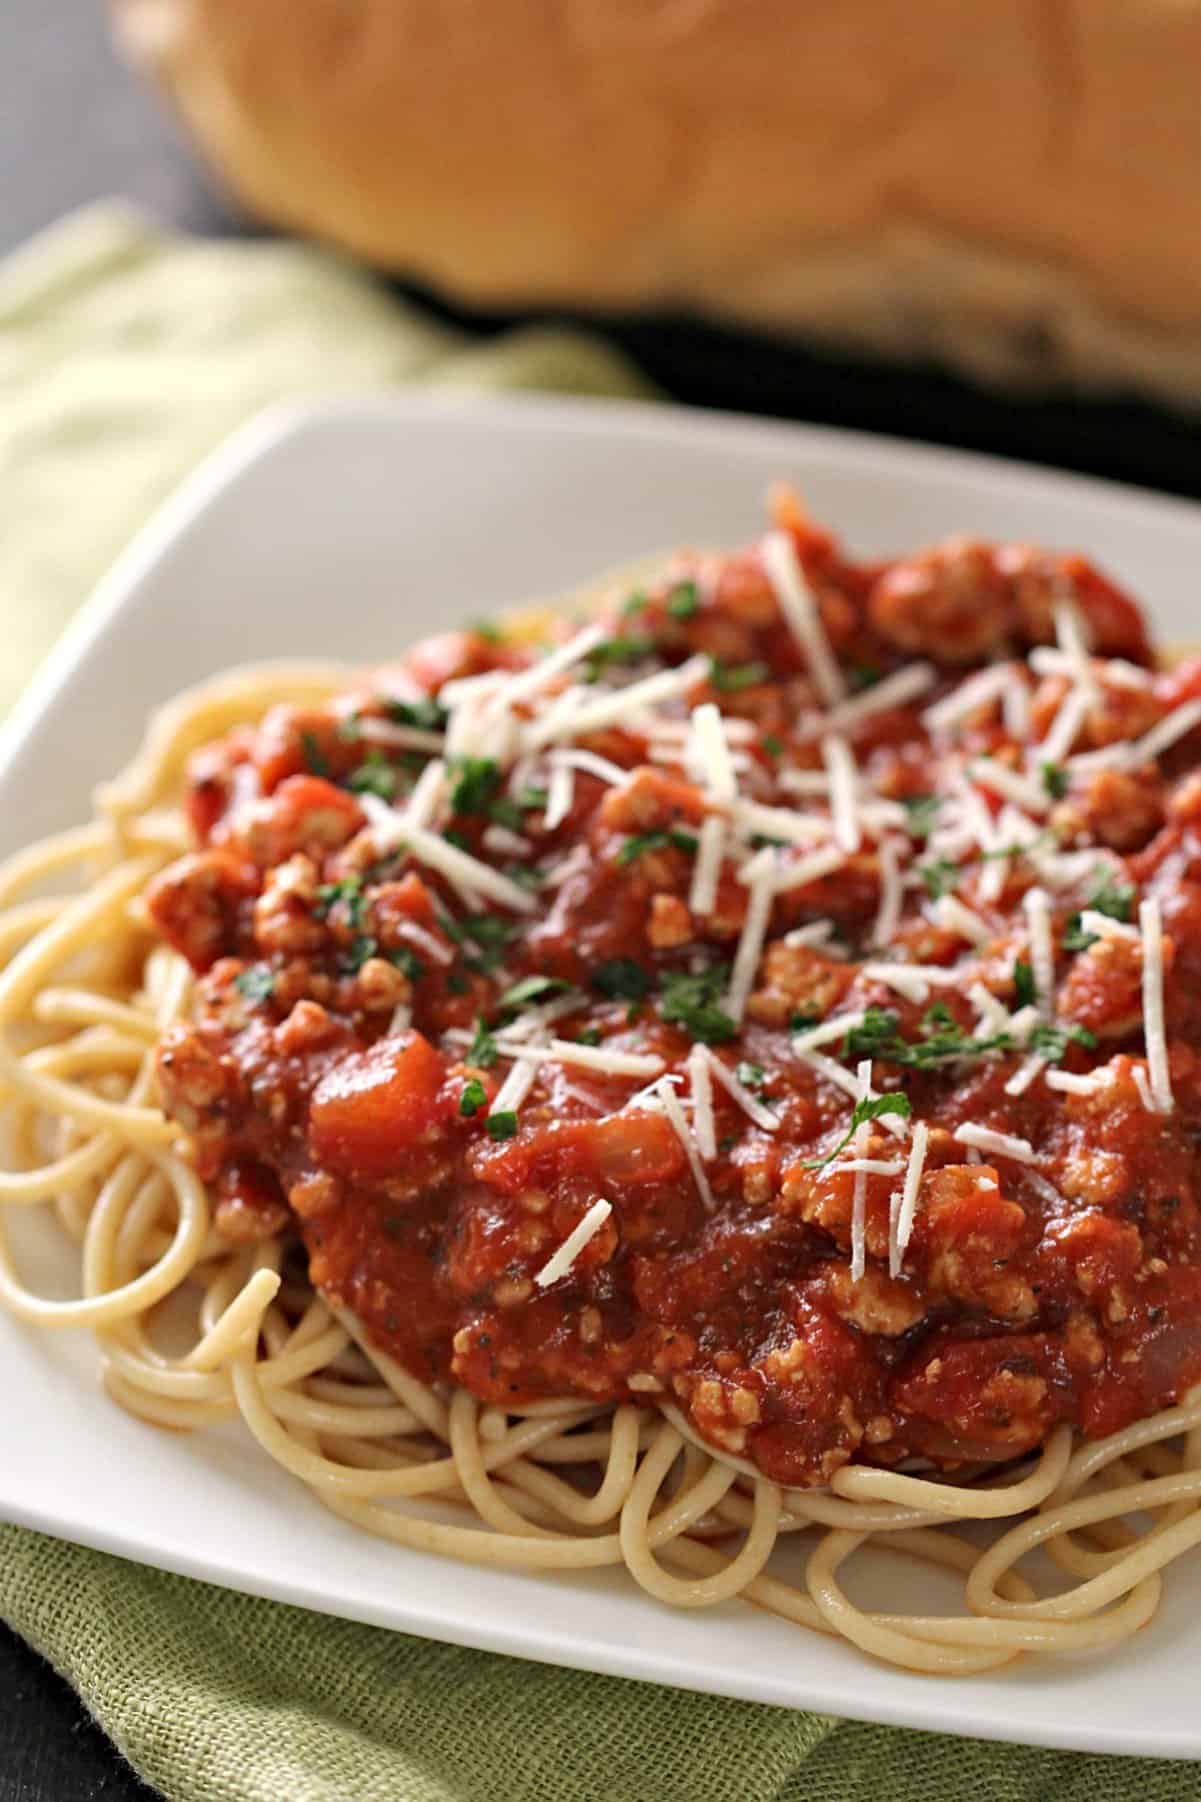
(375, 1105)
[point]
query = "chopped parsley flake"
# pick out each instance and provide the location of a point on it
(773, 747)
(803, 1019)
(530, 989)
(621, 979)
(656, 841)
(939, 876)
(1055, 780)
(635, 603)
(256, 982)
(505, 811)
(474, 1096)
(878, 1035)
(489, 933)
(1111, 897)
(501, 1126)
(425, 715)
(406, 959)
(350, 893)
(359, 951)
(316, 762)
(864, 675)
(872, 1107)
(751, 1076)
(1052, 1042)
(487, 630)
(921, 814)
(589, 1036)
(690, 1001)
(628, 649)
(1023, 983)
(374, 776)
(482, 1049)
(457, 983)
(733, 678)
(476, 780)
(683, 601)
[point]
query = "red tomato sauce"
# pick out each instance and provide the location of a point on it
(341, 1063)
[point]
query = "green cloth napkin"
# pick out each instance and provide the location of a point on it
(125, 355)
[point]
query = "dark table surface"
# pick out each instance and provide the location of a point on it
(73, 126)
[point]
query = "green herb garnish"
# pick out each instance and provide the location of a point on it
(528, 990)
(773, 746)
(683, 601)
(1023, 983)
(921, 813)
(374, 776)
(630, 649)
(621, 979)
(939, 876)
(501, 1126)
(733, 678)
(316, 762)
(589, 1036)
(407, 960)
(802, 1019)
(751, 1076)
(350, 893)
(473, 1097)
(476, 780)
(425, 715)
(1052, 1042)
(482, 1050)
(257, 983)
(690, 1001)
(872, 1107)
(656, 841)
(1055, 780)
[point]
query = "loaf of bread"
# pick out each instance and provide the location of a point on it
(1009, 186)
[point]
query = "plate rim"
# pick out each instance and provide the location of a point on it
(261, 438)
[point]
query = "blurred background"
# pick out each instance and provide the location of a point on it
(1079, 300)
(973, 222)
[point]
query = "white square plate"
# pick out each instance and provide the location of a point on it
(349, 530)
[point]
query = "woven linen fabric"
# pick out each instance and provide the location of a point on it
(125, 355)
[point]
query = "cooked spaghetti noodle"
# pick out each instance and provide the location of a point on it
(89, 995)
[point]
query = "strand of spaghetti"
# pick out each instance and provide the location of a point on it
(134, 1297)
(240, 1318)
(818, 1505)
(1089, 1459)
(477, 1486)
(870, 1635)
(956, 1502)
(1155, 1549)
(322, 1474)
(635, 1529)
(620, 1462)
(172, 1381)
(428, 1408)
(80, 1007)
(81, 921)
(23, 1187)
(49, 856)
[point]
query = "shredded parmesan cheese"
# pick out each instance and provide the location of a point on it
(562, 1260)
(706, 871)
(675, 1114)
(844, 780)
(1005, 1145)
(799, 605)
(738, 1091)
(711, 755)
(701, 1082)
(391, 830)
(953, 915)
(901, 1210)
(760, 876)
(1151, 925)
(1042, 949)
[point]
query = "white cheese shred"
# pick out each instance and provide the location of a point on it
(861, 1141)
(1151, 926)
(888, 912)
(750, 1104)
(1005, 1145)
(706, 870)
(954, 915)
(844, 781)
(560, 793)
(903, 1206)
(710, 754)
(562, 1260)
(700, 1078)
(1042, 949)
(1026, 1073)
(760, 876)
(801, 611)
(679, 1124)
